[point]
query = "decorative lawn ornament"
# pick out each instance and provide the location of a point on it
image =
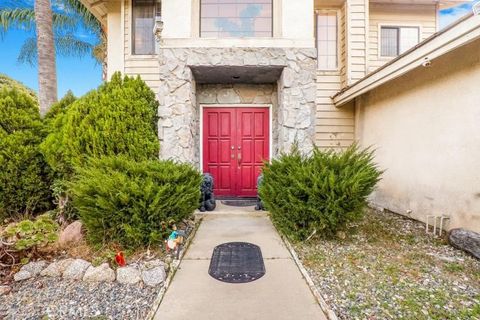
(207, 202)
(175, 241)
(120, 259)
(259, 205)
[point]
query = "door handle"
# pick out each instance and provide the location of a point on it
(239, 158)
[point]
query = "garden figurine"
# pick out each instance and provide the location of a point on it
(175, 241)
(259, 205)
(207, 201)
(120, 259)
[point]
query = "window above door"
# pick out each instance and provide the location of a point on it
(395, 40)
(236, 18)
(144, 14)
(327, 39)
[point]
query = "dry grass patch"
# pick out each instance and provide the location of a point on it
(388, 268)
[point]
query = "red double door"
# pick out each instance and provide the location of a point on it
(235, 145)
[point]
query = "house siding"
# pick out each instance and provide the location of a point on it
(334, 128)
(356, 45)
(358, 54)
(423, 16)
(146, 66)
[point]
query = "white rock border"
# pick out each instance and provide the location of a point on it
(82, 270)
(171, 273)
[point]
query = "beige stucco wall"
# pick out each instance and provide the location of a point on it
(425, 127)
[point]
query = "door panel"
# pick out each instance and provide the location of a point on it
(253, 139)
(236, 142)
(218, 136)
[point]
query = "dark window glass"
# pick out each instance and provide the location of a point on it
(397, 40)
(143, 22)
(236, 18)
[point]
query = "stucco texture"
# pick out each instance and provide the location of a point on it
(425, 127)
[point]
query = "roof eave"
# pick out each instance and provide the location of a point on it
(98, 8)
(454, 36)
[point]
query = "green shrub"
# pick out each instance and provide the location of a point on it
(132, 203)
(24, 175)
(59, 108)
(319, 193)
(119, 118)
(9, 83)
(54, 121)
(31, 234)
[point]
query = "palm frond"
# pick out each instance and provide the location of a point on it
(24, 18)
(18, 18)
(88, 19)
(66, 45)
(70, 46)
(28, 51)
(18, 14)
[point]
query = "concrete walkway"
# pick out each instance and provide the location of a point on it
(280, 294)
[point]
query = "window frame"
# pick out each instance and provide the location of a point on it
(397, 26)
(200, 25)
(132, 29)
(337, 13)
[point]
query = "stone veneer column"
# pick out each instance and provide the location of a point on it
(296, 100)
(179, 123)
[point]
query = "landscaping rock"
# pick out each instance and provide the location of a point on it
(69, 299)
(76, 269)
(466, 240)
(71, 234)
(35, 267)
(154, 277)
(102, 273)
(4, 290)
(56, 269)
(22, 275)
(30, 270)
(128, 275)
(147, 265)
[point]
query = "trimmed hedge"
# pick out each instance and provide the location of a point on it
(119, 118)
(24, 175)
(320, 193)
(132, 203)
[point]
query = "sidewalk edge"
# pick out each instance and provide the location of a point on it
(320, 300)
(174, 267)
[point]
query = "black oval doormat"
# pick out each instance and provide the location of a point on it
(237, 262)
(240, 203)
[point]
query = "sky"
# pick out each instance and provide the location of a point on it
(83, 74)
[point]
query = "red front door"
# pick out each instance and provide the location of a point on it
(235, 144)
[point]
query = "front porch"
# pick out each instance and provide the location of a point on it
(282, 78)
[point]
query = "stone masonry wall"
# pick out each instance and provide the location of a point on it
(179, 114)
(242, 94)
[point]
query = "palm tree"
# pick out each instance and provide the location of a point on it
(47, 74)
(68, 17)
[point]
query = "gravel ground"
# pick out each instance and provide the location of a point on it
(51, 298)
(388, 268)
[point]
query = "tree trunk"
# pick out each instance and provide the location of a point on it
(47, 74)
